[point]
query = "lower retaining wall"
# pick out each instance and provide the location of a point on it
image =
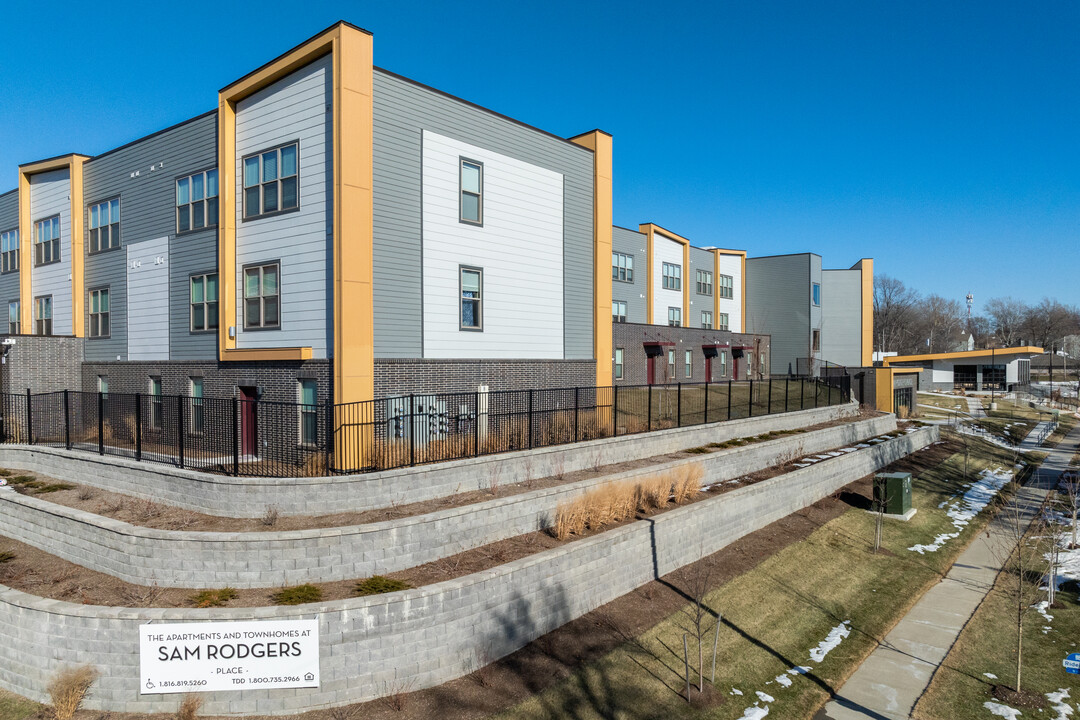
(426, 636)
(171, 558)
(249, 497)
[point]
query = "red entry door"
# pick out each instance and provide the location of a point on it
(708, 369)
(249, 421)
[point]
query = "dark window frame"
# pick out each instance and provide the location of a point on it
(244, 187)
(55, 249)
(262, 298)
(462, 192)
(622, 267)
(479, 299)
(726, 286)
(9, 259)
(619, 317)
(677, 320)
(190, 204)
(43, 329)
(620, 359)
(91, 315)
(205, 303)
(705, 282)
(93, 234)
(16, 327)
(671, 276)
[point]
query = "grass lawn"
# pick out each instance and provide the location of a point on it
(940, 407)
(14, 707)
(987, 645)
(1011, 419)
(776, 613)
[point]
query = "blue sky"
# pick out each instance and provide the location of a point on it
(939, 138)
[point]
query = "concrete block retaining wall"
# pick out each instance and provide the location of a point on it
(249, 497)
(172, 558)
(426, 636)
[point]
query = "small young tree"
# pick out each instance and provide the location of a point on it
(1069, 498)
(696, 581)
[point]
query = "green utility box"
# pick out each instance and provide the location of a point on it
(894, 490)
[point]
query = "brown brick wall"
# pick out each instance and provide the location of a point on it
(632, 338)
(404, 376)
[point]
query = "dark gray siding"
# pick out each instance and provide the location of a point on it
(700, 260)
(148, 211)
(841, 317)
(401, 110)
(9, 282)
(631, 242)
(778, 304)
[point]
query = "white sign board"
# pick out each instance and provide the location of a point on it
(211, 656)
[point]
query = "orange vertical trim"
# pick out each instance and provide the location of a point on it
(866, 266)
(78, 320)
(226, 224)
(26, 258)
(686, 285)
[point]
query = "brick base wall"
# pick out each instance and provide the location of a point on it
(402, 376)
(42, 363)
(632, 338)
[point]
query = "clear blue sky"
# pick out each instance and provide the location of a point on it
(939, 138)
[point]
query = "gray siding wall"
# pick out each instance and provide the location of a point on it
(631, 242)
(294, 108)
(700, 260)
(9, 282)
(778, 304)
(841, 317)
(401, 111)
(148, 212)
(50, 195)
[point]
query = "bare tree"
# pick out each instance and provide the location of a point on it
(941, 323)
(696, 581)
(1007, 316)
(1068, 492)
(894, 312)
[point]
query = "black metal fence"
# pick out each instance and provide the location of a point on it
(274, 439)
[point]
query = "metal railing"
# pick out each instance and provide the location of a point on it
(274, 439)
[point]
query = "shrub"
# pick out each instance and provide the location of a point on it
(270, 516)
(297, 595)
(6, 557)
(377, 585)
(189, 707)
(212, 598)
(51, 488)
(68, 688)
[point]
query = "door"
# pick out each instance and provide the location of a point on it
(708, 368)
(650, 369)
(249, 421)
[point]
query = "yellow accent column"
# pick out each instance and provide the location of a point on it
(686, 285)
(883, 382)
(26, 258)
(742, 284)
(78, 319)
(226, 223)
(648, 274)
(354, 324)
(866, 265)
(601, 145)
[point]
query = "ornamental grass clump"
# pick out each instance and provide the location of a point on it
(68, 688)
(377, 585)
(297, 595)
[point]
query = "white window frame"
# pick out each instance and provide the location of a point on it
(723, 363)
(622, 267)
(187, 206)
(462, 192)
(815, 294)
(619, 357)
(307, 410)
(273, 186)
(98, 230)
(478, 300)
(688, 360)
(198, 407)
(672, 372)
(157, 401)
(9, 251)
(671, 276)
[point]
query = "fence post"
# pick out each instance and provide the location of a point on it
(101, 423)
(235, 436)
(787, 389)
(802, 393)
(529, 424)
(706, 420)
(329, 434)
(678, 406)
(67, 421)
(180, 427)
(728, 400)
(29, 418)
(770, 397)
(412, 427)
(750, 400)
(138, 426)
(614, 411)
(577, 419)
(817, 392)
(476, 424)
(648, 426)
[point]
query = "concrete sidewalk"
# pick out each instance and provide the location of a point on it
(897, 673)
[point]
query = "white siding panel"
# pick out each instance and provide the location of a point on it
(148, 300)
(294, 108)
(520, 248)
(666, 250)
(732, 265)
(50, 194)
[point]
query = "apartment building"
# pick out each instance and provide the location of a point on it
(332, 230)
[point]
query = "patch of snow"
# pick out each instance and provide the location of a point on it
(975, 498)
(802, 465)
(736, 691)
(755, 713)
(992, 676)
(835, 636)
(862, 445)
(763, 697)
(1001, 710)
(1057, 699)
(847, 450)
(783, 680)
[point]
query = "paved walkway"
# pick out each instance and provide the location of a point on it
(897, 673)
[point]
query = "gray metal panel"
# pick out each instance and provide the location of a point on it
(9, 282)
(778, 304)
(148, 211)
(700, 260)
(841, 317)
(631, 242)
(401, 110)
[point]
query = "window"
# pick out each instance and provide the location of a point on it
(104, 226)
(726, 285)
(9, 251)
(14, 320)
(308, 415)
(260, 297)
(815, 341)
(47, 241)
(674, 316)
(671, 364)
(704, 282)
(723, 363)
(672, 276)
(197, 410)
(761, 360)
(197, 201)
(472, 192)
(103, 385)
(472, 301)
(618, 311)
(99, 313)
(622, 267)
(270, 181)
(204, 302)
(43, 315)
(706, 319)
(816, 293)
(689, 363)
(155, 402)
(618, 363)
(723, 324)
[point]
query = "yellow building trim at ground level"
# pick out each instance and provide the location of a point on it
(278, 354)
(883, 384)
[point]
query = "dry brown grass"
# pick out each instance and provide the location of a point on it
(68, 688)
(688, 483)
(189, 707)
(314, 465)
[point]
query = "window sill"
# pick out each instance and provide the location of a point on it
(275, 213)
(183, 233)
(51, 262)
(260, 328)
(104, 250)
